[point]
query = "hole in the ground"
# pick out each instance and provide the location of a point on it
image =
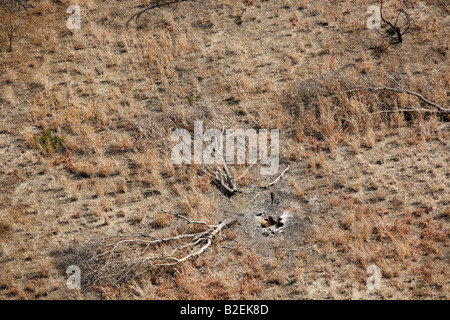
(272, 222)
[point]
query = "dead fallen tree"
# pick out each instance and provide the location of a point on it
(119, 258)
(397, 88)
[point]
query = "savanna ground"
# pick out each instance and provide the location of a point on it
(85, 148)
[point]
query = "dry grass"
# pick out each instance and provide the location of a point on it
(85, 149)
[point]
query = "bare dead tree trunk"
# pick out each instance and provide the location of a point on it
(11, 8)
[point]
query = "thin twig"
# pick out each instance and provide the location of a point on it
(278, 178)
(150, 7)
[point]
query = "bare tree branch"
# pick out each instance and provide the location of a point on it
(278, 178)
(156, 4)
(118, 258)
(398, 89)
(395, 29)
(16, 4)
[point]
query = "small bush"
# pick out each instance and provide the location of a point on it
(48, 142)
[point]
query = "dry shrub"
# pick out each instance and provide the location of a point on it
(85, 168)
(5, 229)
(321, 108)
(162, 220)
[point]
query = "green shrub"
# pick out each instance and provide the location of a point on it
(49, 142)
